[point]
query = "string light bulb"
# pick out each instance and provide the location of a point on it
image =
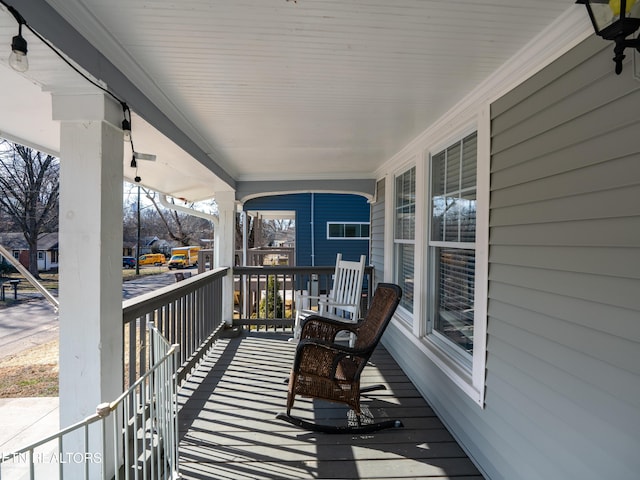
(126, 123)
(126, 130)
(18, 57)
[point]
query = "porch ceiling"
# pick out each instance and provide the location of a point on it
(274, 89)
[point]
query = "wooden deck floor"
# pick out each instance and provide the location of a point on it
(228, 428)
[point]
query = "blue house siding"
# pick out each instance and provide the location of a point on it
(339, 208)
(313, 211)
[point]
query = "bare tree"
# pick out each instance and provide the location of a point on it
(157, 220)
(173, 221)
(29, 193)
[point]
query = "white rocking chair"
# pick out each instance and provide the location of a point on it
(343, 301)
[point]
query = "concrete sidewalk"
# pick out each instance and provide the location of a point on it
(26, 420)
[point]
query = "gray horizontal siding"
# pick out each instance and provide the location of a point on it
(562, 396)
(563, 378)
(377, 232)
(621, 262)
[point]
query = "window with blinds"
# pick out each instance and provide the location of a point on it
(404, 235)
(452, 243)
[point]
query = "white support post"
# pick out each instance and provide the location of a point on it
(91, 151)
(224, 246)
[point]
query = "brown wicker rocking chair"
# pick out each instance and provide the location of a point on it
(331, 371)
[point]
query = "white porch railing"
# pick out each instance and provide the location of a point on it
(188, 313)
(135, 436)
(251, 291)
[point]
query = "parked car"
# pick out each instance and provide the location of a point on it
(152, 259)
(128, 262)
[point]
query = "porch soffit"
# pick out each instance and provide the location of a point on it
(274, 90)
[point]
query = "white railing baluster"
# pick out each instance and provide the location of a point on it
(135, 426)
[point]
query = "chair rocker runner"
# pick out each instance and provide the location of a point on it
(343, 301)
(323, 369)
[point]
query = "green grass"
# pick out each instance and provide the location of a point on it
(29, 381)
(130, 273)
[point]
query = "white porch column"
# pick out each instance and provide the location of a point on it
(91, 151)
(224, 245)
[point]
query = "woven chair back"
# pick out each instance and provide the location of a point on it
(384, 303)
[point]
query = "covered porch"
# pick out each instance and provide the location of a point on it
(232, 384)
(228, 427)
(495, 107)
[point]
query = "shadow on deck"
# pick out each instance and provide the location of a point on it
(228, 428)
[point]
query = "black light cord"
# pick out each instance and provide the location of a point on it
(126, 111)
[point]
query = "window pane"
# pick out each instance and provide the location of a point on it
(451, 220)
(470, 149)
(336, 230)
(437, 173)
(438, 209)
(351, 230)
(455, 285)
(404, 273)
(452, 183)
(405, 205)
(453, 211)
(468, 217)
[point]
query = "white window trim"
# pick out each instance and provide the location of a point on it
(401, 312)
(347, 223)
(471, 382)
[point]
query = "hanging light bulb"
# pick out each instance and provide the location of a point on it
(126, 122)
(18, 58)
(126, 130)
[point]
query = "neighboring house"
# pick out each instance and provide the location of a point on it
(47, 249)
(151, 244)
(325, 224)
(128, 249)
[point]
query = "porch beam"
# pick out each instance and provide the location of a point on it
(246, 190)
(50, 24)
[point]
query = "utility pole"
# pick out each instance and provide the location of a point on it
(138, 237)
